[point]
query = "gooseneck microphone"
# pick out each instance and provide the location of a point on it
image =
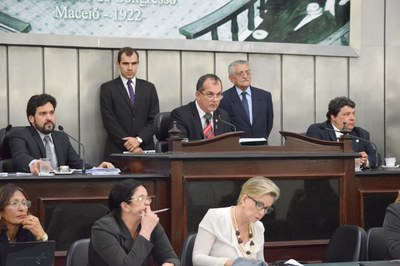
(346, 134)
(81, 145)
(226, 122)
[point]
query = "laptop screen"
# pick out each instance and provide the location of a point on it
(31, 253)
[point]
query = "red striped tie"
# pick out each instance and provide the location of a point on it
(208, 129)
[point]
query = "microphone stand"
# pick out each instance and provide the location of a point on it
(80, 145)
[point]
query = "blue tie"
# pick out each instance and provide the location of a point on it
(131, 92)
(245, 104)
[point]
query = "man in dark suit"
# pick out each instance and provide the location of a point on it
(128, 107)
(28, 144)
(192, 118)
(257, 120)
(340, 117)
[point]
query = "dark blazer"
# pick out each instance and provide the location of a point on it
(325, 131)
(189, 123)
(111, 244)
(263, 113)
(23, 235)
(121, 120)
(391, 228)
(26, 145)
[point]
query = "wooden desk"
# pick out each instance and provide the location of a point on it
(376, 189)
(84, 193)
(209, 173)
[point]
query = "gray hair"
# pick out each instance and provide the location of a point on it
(231, 68)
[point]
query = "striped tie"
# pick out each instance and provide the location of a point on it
(208, 129)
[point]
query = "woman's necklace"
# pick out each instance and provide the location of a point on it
(240, 241)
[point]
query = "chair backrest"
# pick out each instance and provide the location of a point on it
(376, 244)
(187, 250)
(77, 254)
(5, 153)
(161, 125)
(346, 244)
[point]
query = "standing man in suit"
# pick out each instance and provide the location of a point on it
(28, 144)
(250, 109)
(128, 107)
(202, 119)
(342, 115)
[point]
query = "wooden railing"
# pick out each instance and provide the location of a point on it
(212, 21)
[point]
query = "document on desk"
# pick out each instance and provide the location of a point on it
(103, 171)
(253, 141)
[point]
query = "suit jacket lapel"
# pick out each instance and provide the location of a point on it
(39, 141)
(121, 89)
(237, 104)
(255, 99)
(58, 148)
(196, 119)
(331, 133)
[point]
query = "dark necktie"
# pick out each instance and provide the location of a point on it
(208, 129)
(131, 92)
(49, 152)
(245, 104)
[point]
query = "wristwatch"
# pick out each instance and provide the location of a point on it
(139, 139)
(45, 237)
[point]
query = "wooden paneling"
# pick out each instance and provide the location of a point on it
(3, 87)
(298, 85)
(266, 75)
(26, 74)
(194, 65)
(164, 70)
(95, 68)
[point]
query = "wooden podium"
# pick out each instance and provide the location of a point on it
(316, 179)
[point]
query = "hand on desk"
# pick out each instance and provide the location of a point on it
(35, 167)
(106, 165)
(363, 158)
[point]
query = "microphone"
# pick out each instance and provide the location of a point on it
(225, 122)
(346, 133)
(80, 144)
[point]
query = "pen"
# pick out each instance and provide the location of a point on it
(161, 210)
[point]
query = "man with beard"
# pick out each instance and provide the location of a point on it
(28, 145)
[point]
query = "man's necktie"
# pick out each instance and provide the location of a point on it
(49, 152)
(208, 129)
(131, 92)
(245, 104)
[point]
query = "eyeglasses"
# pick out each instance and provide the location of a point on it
(242, 74)
(211, 96)
(260, 206)
(142, 198)
(16, 203)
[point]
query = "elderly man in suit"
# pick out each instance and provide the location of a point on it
(341, 116)
(250, 109)
(128, 108)
(40, 140)
(202, 119)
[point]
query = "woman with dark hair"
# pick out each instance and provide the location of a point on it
(130, 233)
(16, 224)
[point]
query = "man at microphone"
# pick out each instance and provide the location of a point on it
(341, 118)
(202, 119)
(39, 140)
